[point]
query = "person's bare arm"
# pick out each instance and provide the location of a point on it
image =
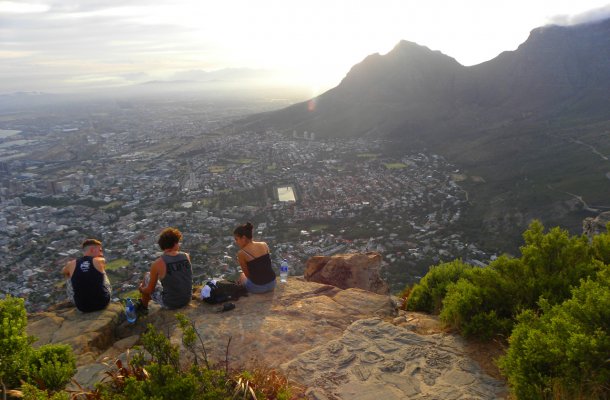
(154, 277)
(245, 273)
(68, 268)
(243, 263)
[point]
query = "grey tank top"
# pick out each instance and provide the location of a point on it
(178, 281)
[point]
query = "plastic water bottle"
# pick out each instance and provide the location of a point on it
(130, 311)
(284, 271)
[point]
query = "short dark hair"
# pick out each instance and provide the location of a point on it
(244, 230)
(169, 237)
(91, 242)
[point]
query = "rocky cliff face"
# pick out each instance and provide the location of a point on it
(340, 343)
(594, 226)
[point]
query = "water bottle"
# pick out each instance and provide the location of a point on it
(284, 271)
(130, 311)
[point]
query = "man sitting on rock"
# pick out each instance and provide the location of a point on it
(170, 280)
(87, 284)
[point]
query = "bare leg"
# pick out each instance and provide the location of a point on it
(145, 296)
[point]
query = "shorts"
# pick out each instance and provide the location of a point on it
(257, 289)
(157, 294)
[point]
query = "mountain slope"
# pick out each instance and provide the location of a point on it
(532, 122)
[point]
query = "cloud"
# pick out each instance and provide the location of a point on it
(595, 15)
(13, 7)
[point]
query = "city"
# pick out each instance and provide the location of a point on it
(122, 171)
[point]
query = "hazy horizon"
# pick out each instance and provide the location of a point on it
(65, 47)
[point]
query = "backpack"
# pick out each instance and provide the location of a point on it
(221, 291)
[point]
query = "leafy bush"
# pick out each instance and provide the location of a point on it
(15, 344)
(484, 302)
(556, 300)
(601, 246)
(556, 262)
(31, 392)
(478, 305)
(52, 366)
(428, 294)
(563, 353)
(46, 369)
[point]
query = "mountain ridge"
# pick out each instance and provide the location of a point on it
(526, 121)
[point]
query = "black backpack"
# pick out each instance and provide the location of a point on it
(224, 291)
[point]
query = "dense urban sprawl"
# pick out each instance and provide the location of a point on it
(123, 173)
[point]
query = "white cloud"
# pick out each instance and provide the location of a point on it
(13, 7)
(589, 16)
(317, 40)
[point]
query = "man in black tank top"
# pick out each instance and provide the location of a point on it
(87, 285)
(170, 280)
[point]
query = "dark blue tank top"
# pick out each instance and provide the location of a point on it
(90, 293)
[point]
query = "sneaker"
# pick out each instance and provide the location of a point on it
(141, 309)
(226, 307)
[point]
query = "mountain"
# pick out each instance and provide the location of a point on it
(557, 69)
(532, 122)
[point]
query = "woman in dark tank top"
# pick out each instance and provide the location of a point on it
(255, 261)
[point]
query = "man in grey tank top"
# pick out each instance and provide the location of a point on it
(170, 280)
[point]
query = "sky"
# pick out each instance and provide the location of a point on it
(67, 45)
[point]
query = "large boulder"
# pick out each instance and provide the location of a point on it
(594, 226)
(356, 270)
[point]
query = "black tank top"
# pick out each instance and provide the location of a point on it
(90, 293)
(260, 269)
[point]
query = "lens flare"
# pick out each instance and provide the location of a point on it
(311, 105)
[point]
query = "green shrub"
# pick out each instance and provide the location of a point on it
(15, 344)
(52, 366)
(31, 392)
(46, 369)
(478, 305)
(160, 348)
(555, 262)
(484, 302)
(428, 294)
(601, 246)
(563, 353)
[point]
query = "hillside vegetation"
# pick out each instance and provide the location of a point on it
(552, 304)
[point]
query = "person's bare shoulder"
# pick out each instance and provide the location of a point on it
(100, 263)
(157, 268)
(262, 246)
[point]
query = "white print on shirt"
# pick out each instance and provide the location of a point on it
(85, 265)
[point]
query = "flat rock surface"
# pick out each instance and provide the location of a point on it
(273, 327)
(375, 360)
